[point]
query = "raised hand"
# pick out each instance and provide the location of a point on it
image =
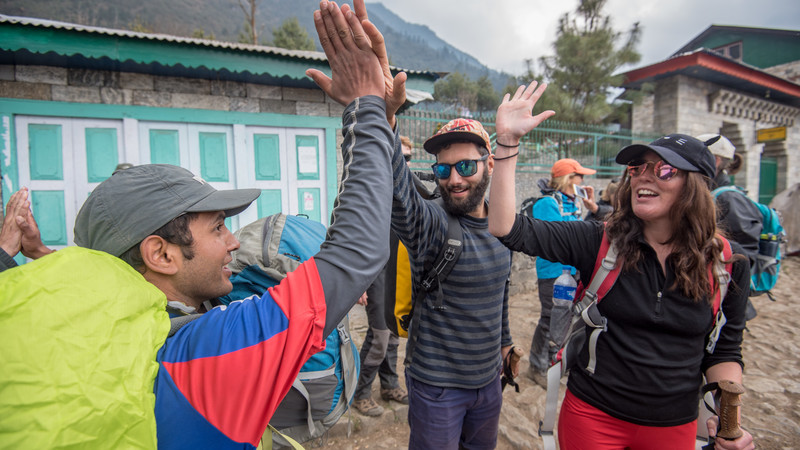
(395, 86)
(20, 231)
(11, 234)
(355, 68)
(515, 114)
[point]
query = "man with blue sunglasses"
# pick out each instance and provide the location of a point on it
(455, 351)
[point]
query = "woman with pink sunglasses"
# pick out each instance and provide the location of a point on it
(652, 355)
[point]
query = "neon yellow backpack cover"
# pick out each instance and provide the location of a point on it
(79, 333)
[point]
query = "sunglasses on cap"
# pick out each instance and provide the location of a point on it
(465, 168)
(662, 170)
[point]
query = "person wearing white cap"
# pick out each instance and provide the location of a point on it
(737, 215)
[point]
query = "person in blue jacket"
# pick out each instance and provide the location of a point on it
(557, 204)
(170, 226)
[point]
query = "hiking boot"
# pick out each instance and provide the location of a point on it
(397, 394)
(368, 407)
(538, 377)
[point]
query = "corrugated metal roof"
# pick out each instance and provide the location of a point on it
(266, 50)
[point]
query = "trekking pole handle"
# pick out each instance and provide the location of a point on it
(729, 404)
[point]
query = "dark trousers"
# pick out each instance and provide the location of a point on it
(379, 351)
(453, 418)
(542, 350)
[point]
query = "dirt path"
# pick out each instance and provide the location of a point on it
(771, 406)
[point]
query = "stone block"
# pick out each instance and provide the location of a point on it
(42, 74)
(245, 104)
(139, 81)
(183, 85)
(152, 98)
(228, 88)
(6, 72)
(265, 92)
(312, 109)
(304, 95)
(114, 96)
(335, 110)
(182, 100)
(29, 91)
(86, 77)
(278, 106)
(76, 94)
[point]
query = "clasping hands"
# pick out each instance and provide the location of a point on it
(355, 68)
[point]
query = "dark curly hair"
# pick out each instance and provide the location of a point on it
(693, 240)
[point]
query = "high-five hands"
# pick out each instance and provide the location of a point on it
(347, 41)
(395, 86)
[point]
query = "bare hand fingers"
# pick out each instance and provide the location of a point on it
(17, 201)
(322, 80)
(322, 34)
(360, 9)
(519, 92)
(529, 91)
(341, 25)
(541, 117)
(359, 34)
(539, 91)
(331, 33)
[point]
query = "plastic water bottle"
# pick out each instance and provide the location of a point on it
(561, 315)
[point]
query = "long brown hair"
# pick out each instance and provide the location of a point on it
(693, 241)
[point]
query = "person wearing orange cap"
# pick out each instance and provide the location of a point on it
(558, 203)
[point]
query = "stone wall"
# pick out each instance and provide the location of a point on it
(61, 84)
(682, 104)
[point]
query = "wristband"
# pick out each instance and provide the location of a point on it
(506, 157)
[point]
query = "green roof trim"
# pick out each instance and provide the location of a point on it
(36, 41)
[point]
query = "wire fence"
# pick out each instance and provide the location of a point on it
(592, 145)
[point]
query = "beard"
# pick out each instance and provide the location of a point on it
(469, 204)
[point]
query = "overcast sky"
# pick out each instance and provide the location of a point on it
(503, 33)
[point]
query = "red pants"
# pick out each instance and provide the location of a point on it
(582, 426)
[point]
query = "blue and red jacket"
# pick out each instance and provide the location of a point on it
(222, 376)
(212, 393)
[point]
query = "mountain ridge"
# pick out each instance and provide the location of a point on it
(410, 46)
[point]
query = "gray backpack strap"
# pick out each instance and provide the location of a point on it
(176, 323)
(431, 284)
(349, 374)
(586, 313)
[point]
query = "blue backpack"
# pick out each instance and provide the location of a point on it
(764, 274)
(272, 247)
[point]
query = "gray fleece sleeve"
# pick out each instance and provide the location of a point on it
(357, 245)
(6, 261)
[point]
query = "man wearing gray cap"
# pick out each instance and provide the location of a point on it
(221, 376)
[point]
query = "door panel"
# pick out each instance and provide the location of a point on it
(61, 160)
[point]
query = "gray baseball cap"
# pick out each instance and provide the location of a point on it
(134, 203)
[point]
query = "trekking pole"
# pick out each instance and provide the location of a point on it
(730, 401)
(510, 365)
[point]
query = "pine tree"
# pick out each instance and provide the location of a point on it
(292, 36)
(581, 74)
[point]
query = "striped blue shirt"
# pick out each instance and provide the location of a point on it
(460, 346)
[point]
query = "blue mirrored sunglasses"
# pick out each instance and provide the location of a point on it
(661, 170)
(465, 168)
